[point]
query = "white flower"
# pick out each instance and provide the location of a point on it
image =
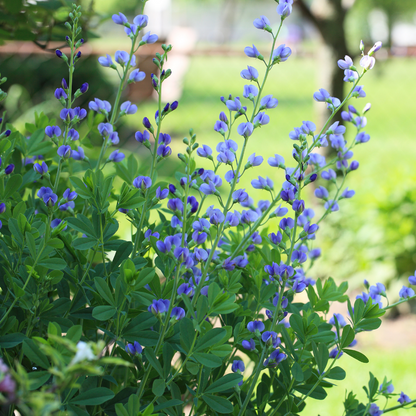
(84, 352)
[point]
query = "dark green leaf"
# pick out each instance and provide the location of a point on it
(104, 290)
(167, 404)
(187, 333)
(32, 351)
(13, 184)
(103, 313)
(210, 338)
(218, 404)
(297, 372)
(38, 379)
(347, 336)
(158, 387)
(82, 224)
(224, 383)
(98, 395)
(208, 360)
(54, 263)
(11, 340)
(154, 362)
(356, 354)
(336, 373)
(84, 243)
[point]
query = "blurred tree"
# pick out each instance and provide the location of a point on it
(41, 21)
(394, 10)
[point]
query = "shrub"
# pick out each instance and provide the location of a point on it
(200, 308)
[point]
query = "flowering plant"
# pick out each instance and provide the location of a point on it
(170, 318)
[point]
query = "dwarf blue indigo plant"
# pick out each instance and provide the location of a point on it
(208, 282)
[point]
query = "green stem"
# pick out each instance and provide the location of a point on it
(253, 383)
(399, 406)
(152, 173)
(116, 104)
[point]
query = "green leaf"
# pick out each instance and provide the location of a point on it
(296, 323)
(32, 351)
(103, 313)
(104, 290)
(187, 333)
(122, 253)
(356, 354)
(336, 373)
(54, 263)
(347, 336)
(13, 184)
(210, 338)
(154, 362)
(38, 379)
(208, 360)
(84, 243)
(145, 276)
(224, 383)
(319, 393)
(165, 405)
(82, 224)
(98, 395)
(56, 243)
(11, 340)
(321, 355)
(74, 333)
(31, 244)
(369, 324)
(121, 410)
(158, 387)
(297, 372)
(218, 404)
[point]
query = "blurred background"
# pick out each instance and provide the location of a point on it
(373, 236)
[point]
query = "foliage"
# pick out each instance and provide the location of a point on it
(94, 323)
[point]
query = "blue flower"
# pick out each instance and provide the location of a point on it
(339, 318)
(261, 23)
(141, 20)
(375, 410)
(270, 338)
(345, 63)
(249, 345)
(105, 61)
(119, 19)
(281, 53)
(52, 131)
(331, 205)
(177, 313)
(40, 168)
(137, 76)
(275, 358)
(250, 89)
(142, 182)
(268, 102)
(116, 156)
(2, 208)
(238, 366)
(148, 38)
(404, 398)
(64, 151)
(68, 195)
(250, 73)
(262, 183)
(251, 52)
(105, 129)
(254, 326)
(406, 292)
(128, 108)
(78, 155)
(321, 95)
(122, 58)
(49, 198)
(159, 307)
(134, 349)
(284, 8)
